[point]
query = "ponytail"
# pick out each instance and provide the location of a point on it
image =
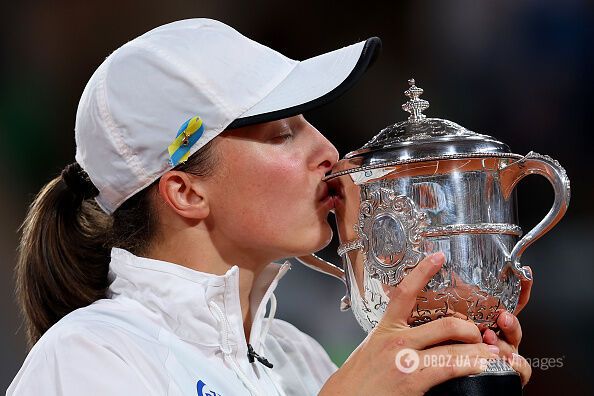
(63, 257)
(64, 252)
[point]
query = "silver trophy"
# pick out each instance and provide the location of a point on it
(426, 185)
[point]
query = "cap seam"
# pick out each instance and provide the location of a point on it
(111, 124)
(128, 155)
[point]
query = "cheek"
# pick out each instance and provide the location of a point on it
(279, 191)
(269, 194)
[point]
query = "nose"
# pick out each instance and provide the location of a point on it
(328, 156)
(322, 154)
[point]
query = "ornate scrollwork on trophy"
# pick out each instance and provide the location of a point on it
(442, 304)
(390, 230)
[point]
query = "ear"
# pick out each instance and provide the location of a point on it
(184, 194)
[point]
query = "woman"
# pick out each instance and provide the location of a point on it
(145, 268)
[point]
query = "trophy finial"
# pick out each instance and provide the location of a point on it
(415, 106)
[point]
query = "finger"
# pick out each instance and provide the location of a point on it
(445, 362)
(506, 350)
(489, 337)
(441, 330)
(522, 366)
(403, 297)
(511, 331)
(526, 287)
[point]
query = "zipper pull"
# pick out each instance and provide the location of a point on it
(252, 354)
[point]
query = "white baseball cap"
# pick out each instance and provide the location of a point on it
(162, 96)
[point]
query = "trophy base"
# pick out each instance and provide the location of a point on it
(482, 385)
(499, 379)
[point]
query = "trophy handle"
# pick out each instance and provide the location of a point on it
(316, 263)
(510, 176)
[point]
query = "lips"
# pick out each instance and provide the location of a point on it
(325, 196)
(323, 191)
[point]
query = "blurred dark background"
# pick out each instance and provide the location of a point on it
(517, 70)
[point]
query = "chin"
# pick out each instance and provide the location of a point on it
(328, 239)
(324, 238)
(310, 241)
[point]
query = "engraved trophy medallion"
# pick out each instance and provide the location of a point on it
(426, 185)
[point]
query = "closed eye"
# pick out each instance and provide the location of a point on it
(282, 138)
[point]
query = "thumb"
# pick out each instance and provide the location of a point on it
(403, 297)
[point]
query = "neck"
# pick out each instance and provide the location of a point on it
(205, 258)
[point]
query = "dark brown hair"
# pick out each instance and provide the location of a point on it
(64, 251)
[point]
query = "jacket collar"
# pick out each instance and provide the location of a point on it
(180, 299)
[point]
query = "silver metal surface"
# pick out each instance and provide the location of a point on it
(480, 228)
(348, 246)
(364, 173)
(546, 166)
(390, 233)
(421, 139)
(415, 106)
(459, 211)
(497, 367)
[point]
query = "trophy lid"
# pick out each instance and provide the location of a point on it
(422, 139)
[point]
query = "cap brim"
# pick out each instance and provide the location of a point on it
(313, 83)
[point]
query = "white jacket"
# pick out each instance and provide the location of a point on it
(169, 330)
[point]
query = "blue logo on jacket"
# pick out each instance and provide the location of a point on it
(201, 388)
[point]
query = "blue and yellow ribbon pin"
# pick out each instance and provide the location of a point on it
(188, 134)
